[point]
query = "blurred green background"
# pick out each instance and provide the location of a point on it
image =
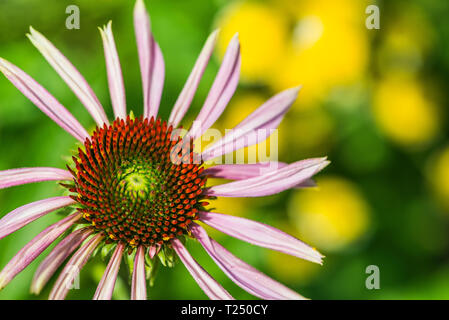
(373, 101)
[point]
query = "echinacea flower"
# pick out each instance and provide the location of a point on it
(136, 188)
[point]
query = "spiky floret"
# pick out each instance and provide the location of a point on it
(138, 182)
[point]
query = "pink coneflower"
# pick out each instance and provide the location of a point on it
(127, 192)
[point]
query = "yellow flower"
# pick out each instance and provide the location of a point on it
(329, 47)
(331, 217)
(262, 32)
(403, 112)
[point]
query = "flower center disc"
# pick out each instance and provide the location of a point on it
(137, 183)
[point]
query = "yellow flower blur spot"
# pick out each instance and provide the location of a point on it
(332, 216)
(403, 112)
(439, 176)
(329, 47)
(262, 33)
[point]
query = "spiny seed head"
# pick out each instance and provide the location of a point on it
(137, 183)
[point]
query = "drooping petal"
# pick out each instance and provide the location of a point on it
(23, 215)
(221, 91)
(256, 127)
(34, 248)
(154, 250)
(106, 286)
(56, 257)
(270, 183)
(70, 75)
(15, 177)
(261, 235)
(152, 66)
(208, 284)
(139, 283)
(246, 171)
(43, 100)
(115, 78)
(188, 92)
(241, 273)
(73, 267)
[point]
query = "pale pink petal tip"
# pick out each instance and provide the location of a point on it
(272, 182)
(139, 284)
(114, 71)
(246, 171)
(208, 284)
(188, 92)
(71, 76)
(244, 275)
(152, 66)
(43, 100)
(154, 250)
(34, 248)
(106, 286)
(261, 234)
(222, 90)
(23, 215)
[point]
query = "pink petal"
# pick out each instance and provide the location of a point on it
(20, 217)
(15, 177)
(256, 127)
(139, 283)
(43, 100)
(154, 250)
(35, 247)
(270, 183)
(74, 265)
(115, 78)
(246, 171)
(241, 273)
(188, 92)
(221, 91)
(261, 235)
(209, 285)
(152, 65)
(56, 257)
(106, 286)
(70, 75)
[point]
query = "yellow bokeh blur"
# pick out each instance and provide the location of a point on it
(403, 112)
(262, 33)
(329, 47)
(332, 216)
(311, 53)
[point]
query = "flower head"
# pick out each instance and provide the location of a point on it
(135, 184)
